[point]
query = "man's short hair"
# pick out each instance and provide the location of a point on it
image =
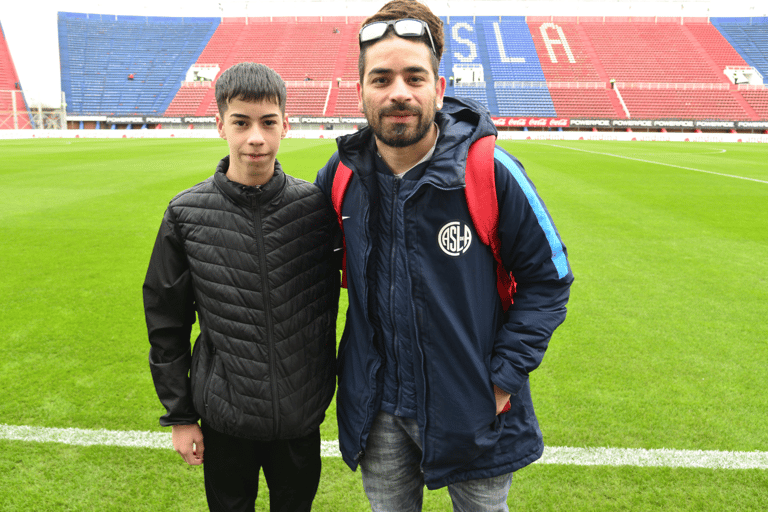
(250, 81)
(401, 9)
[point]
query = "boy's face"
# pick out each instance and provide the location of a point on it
(253, 131)
(399, 93)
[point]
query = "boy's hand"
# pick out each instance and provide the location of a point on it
(502, 400)
(188, 442)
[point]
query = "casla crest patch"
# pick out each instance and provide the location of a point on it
(455, 238)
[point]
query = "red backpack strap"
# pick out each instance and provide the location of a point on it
(483, 207)
(340, 183)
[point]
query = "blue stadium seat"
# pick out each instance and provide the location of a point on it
(98, 52)
(749, 36)
(511, 50)
(525, 101)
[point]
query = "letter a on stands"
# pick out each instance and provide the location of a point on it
(549, 42)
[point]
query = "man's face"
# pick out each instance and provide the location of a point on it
(398, 93)
(253, 131)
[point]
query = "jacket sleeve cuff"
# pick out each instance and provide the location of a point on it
(174, 391)
(506, 376)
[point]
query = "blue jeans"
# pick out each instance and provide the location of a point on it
(393, 480)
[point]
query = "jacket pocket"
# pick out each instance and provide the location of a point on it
(208, 377)
(201, 372)
(464, 423)
(453, 448)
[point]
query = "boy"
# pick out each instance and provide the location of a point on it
(250, 251)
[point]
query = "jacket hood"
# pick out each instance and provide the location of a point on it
(462, 121)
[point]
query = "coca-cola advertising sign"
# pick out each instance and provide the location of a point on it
(531, 122)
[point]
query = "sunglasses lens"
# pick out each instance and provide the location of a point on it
(403, 28)
(373, 31)
(412, 28)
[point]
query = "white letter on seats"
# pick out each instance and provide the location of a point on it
(472, 46)
(549, 42)
(500, 44)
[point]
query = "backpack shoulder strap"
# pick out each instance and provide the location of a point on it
(339, 188)
(340, 183)
(480, 190)
(483, 204)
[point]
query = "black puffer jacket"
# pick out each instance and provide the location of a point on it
(257, 265)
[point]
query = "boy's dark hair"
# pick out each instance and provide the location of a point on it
(400, 9)
(249, 81)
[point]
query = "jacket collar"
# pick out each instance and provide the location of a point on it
(462, 121)
(246, 195)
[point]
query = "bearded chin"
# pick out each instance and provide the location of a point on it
(397, 136)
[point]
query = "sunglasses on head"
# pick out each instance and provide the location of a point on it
(404, 28)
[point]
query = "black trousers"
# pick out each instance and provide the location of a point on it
(232, 465)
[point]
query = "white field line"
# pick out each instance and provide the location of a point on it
(654, 458)
(552, 455)
(660, 163)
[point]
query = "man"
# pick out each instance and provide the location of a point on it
(429, 360)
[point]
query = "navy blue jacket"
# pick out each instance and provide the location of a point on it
(463, 341)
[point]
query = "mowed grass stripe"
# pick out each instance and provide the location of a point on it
(552, 455)
(660, 163)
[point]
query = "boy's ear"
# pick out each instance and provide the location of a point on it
(286, 127)
(220, 126)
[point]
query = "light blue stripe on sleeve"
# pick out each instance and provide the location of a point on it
(558, 255)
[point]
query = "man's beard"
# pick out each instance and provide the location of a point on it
(398, 136)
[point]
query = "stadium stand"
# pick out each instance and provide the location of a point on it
(566, 56)
(525, 101)
(748, 36)
(127, 64)
(13, 106)
(640, 54)
(637, 51)
(346, 103)
(281, 43)
(460, 50)
(657, 103)
(578, 81)
(585, 102)
(715, 45)
(758, 100)
(309, 101)
(513, 58)
(478, 94)
(537, 66)
(512, 74)
(511, 50)
(188, 99)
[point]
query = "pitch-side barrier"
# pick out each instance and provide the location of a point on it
(332, 134)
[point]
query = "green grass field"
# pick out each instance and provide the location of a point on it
(665, 344)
